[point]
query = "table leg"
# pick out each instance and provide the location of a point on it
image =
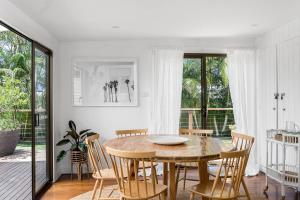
(165, 175)
(132, 171)
(203, 173)
(172, 181)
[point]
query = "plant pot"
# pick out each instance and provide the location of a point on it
(78, 157)
(8, 142)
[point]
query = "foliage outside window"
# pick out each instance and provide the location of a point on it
(205, 92)
(12, 99)
(15, 80)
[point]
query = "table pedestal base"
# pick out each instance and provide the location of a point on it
(169, 176)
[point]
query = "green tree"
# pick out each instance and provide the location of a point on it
(191, 84)
(12, 98)
(218, 93)
(15, 80)
(15, 58)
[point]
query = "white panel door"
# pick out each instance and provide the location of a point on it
(266, 102)
(289, 82)
(289, 86)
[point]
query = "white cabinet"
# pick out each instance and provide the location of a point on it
(266, 103)
(278, 70)
(288, 57)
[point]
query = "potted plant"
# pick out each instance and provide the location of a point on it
(75, 140)
(12, 99)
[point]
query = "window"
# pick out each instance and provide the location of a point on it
(206, 101)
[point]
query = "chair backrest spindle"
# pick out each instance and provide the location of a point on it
(233, 166)
(133, 132)
(135, 186)
(96, 153)
(197, 132)
(242, 141)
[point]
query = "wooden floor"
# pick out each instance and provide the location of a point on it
(15, 179)
(66, 189)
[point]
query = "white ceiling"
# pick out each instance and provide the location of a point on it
(140, 19)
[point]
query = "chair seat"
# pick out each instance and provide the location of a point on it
(204, 189)
(147, 165)
(215, 162)
(108, 174)
(213, 170)
(187, 164)
(142, 188)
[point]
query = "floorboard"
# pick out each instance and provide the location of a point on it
(65, 188)
(15, 179)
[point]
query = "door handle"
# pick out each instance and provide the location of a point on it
(282, 95)
(36, 119)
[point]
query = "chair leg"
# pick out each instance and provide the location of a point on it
(100, 189)
(245, 188)
(95, 189)
(192, 196)
(184, 177)
(177, 177)
(163, 196)
(155, 175)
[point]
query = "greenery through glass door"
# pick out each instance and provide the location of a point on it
(206, 94)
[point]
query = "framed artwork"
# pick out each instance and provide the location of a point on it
(104, 82)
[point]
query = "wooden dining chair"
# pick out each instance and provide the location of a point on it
(135, 132)
(226, 185)
(136, 186)
(241, 142)
(197, 132)
(188, 165)
(101, 167)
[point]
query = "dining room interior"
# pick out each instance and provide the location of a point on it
(134, 99)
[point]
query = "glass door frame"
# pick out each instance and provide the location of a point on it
(35, 44)
(203, 97)
(49, 146)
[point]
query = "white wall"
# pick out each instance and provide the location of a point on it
(17, 19)
(103, 119)
(106, 120)
(286, 41)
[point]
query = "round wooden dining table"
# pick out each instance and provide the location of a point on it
(196, 149)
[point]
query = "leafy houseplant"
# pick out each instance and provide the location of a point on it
(12, 99)
(75, 140)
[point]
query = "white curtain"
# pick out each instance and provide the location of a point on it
(242, 82)
(166, 91)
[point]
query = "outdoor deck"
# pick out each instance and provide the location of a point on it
(16, 174)
(15, 180)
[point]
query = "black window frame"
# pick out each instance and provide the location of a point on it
(203, 97)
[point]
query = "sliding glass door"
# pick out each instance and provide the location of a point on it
(206, 101)
(15, 115)
(41, 117)
(25, 129)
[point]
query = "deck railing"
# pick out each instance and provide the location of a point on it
(24, 116)
(221, 120)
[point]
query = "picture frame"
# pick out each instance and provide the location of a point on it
(104, 82)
